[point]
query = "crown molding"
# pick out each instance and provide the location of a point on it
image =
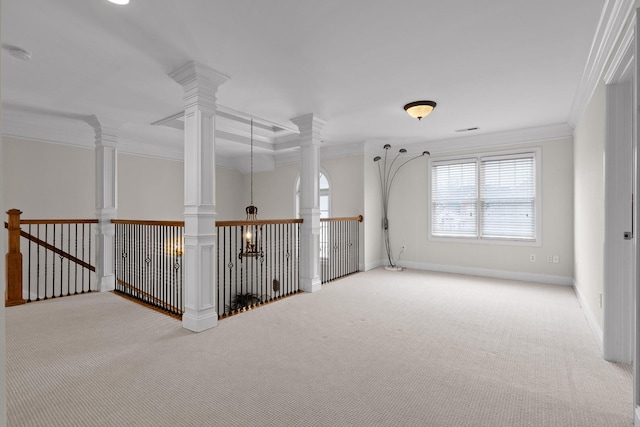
(615, 14)
(622, 63)
(480, 141)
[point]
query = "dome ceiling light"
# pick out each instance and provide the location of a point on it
(419, 109)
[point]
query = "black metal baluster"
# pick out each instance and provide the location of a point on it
(53, 266)
(162, 283)
(171, 273)
(29, 269)
(129, 260)
(281, 255)
(217, 264)
(61, 257)
(46, 261)
(232, 260)
(342, 248)
(270, 273)
(82, 226)
(68, 260)
(138, 261)
(298, 259)
(180, 276)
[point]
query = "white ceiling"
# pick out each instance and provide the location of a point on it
(499, 65)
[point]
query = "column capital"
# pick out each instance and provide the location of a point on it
(310, 126)
(200, 84)
(106, 130)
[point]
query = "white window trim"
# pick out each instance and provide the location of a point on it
(537, 153)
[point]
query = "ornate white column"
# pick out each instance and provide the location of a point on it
(200, 85)
(310, 127)
(106, 198)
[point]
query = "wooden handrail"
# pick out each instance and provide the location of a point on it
(233, 223)
(218, 223)
(358, 218)
(258, 222)
(58, 221)
(148, 222)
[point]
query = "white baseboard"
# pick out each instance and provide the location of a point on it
(485, 272)
(591, 318)
(372, 265)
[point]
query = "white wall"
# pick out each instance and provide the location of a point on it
(230, 203)
(408, 218)
(373, 246)
(347, 185)
(589, 141)
(150, 188)
(47, 180)
(273, 192)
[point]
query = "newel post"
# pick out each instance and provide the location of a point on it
(14, 261)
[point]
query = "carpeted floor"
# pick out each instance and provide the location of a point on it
(375, 349)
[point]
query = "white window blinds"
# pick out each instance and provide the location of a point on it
(485, 197)
(508, 198)
(454, 197)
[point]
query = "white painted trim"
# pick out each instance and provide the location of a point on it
(636, 416)
(615, 14)
(486, 272)
(372, 265)
(618, 70)
(591, 318)
(485, 141)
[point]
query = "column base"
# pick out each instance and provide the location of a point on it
(310, 285)
(107, 284)
(198, 322)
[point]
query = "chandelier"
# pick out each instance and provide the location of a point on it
(252, 232)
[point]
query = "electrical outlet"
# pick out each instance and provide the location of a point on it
(532, 257)
(550, 258)
(556, 259)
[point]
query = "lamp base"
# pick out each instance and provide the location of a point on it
(394, 268)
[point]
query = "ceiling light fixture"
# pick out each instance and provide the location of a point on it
(120, 2)
(252, 232)
(419, 109)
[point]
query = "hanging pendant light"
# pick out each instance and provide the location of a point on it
(252, 232)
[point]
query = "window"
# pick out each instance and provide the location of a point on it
(491, 197)
(324, 193)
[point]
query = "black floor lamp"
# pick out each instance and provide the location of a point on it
(387, 172)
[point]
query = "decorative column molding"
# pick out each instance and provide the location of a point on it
(310, 127)
(200, 85)
(106, 141)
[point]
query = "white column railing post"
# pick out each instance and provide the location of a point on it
(106, 155)
(200, 85)
(310, 127)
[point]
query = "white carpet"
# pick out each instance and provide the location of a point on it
(374, 349)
